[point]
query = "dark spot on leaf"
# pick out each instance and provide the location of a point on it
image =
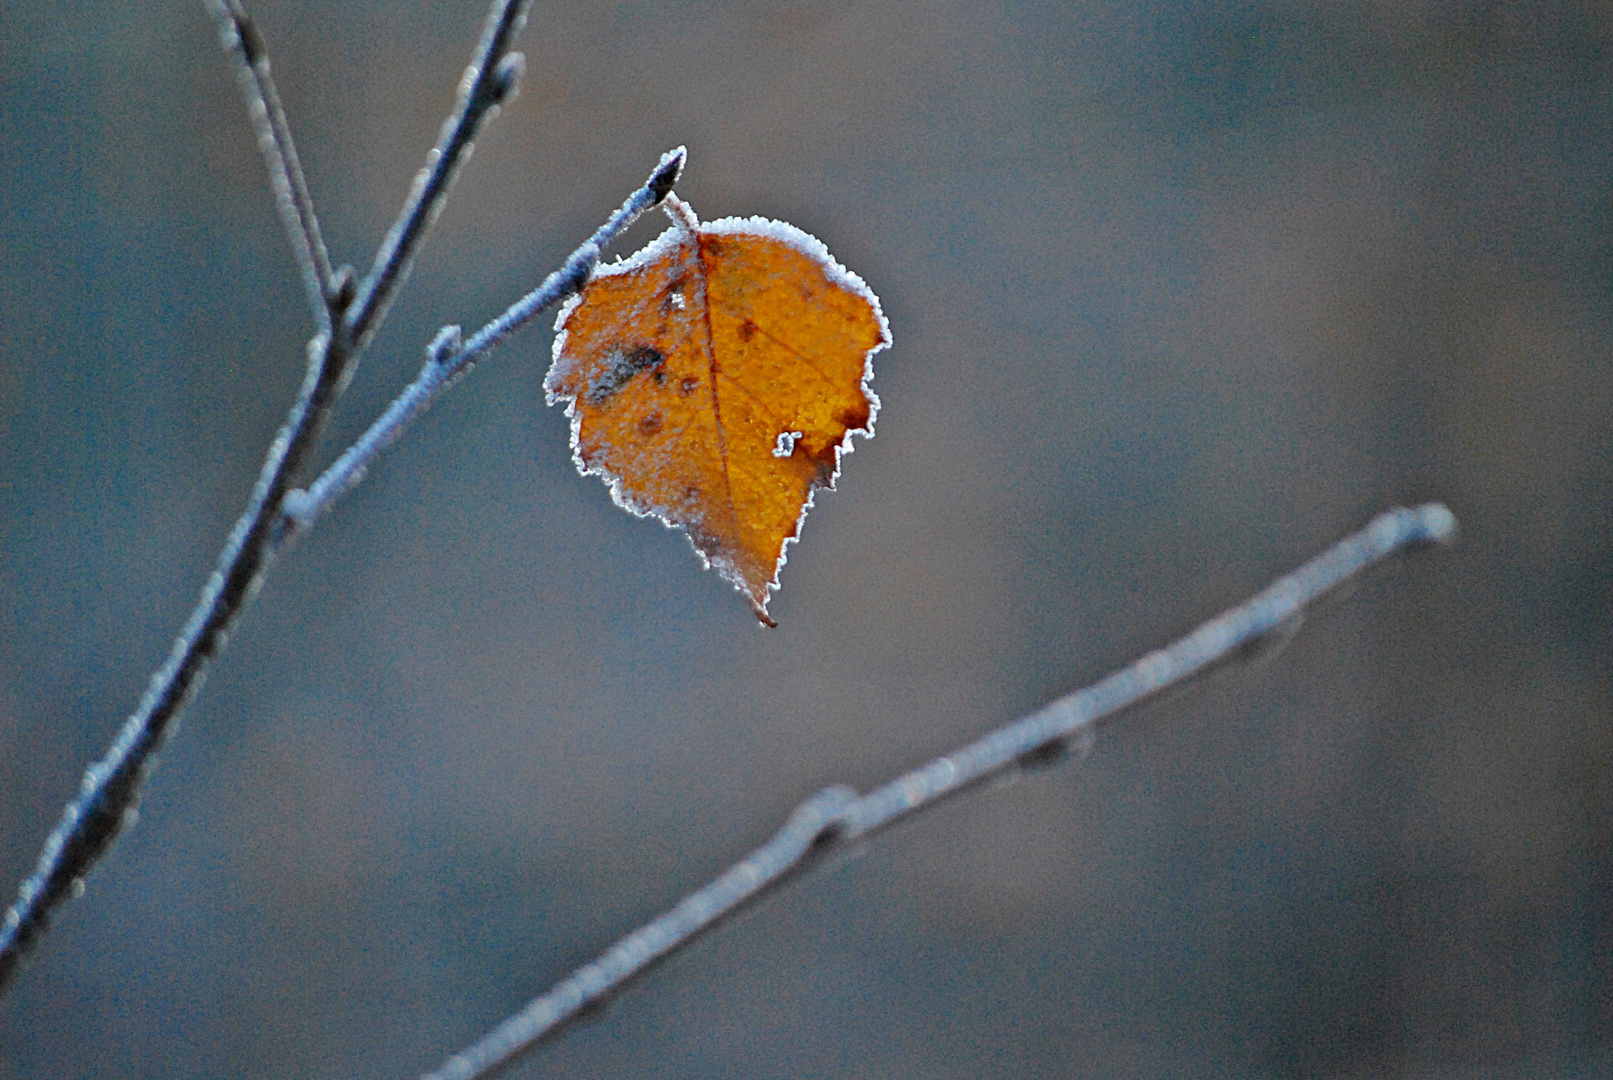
(687, 386)
(823, 454)
(823, 458)
(659, 375)
(704, 539)
(623, 366)
(853, 418)
(747, 330)
(651, 422)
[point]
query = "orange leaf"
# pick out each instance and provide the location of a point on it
(713, 380)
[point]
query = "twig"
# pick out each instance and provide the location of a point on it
(240, 36)
(448, 357)
(836, 814)
(490, 80)
(348, 316)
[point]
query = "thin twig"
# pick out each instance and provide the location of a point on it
(836, 814)
(448, 356)
(491, 79)
(110, 791)
(244, 43)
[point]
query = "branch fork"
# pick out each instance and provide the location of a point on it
(346, 313)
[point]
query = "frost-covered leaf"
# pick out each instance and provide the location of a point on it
(714, 378)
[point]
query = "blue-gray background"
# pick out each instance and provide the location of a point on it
(1180, 294)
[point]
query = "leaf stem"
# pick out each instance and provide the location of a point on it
(682, 215)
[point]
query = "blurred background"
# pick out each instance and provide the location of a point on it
(1180, 294)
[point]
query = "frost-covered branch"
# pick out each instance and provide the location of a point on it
(837, 815)
(346, 315)
(449, 356)
(246, 46)
(489, 81)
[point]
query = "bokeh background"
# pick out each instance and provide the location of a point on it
(1180, 293)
